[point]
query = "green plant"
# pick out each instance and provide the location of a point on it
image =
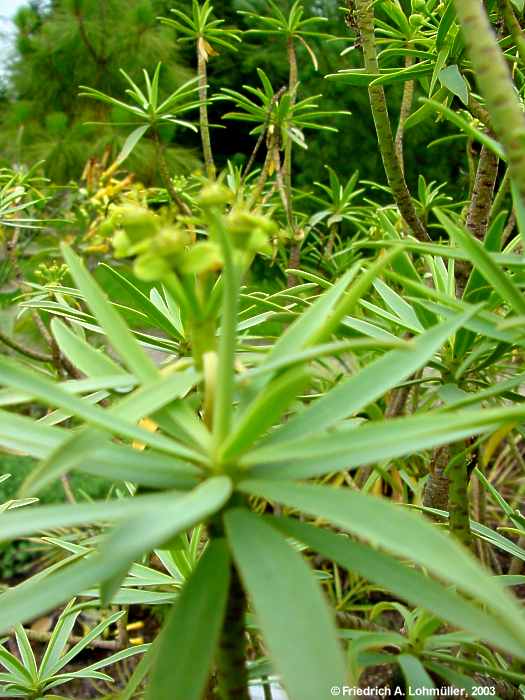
(205, 32)
(262, 443)
(242, 451)
(150, 112)
(25, 678)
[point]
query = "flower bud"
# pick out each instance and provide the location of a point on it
(418, 6)
(138, 223)
(416, 21)
(214, 195)
(202, 257)
(150, 267)
(170, 240)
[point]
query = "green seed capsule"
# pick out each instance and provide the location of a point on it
(139, 223)
(416, 21)
(418, 6)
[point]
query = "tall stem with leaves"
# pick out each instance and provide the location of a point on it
(204, 124)
(200, 28)
(458, 500)
(223, 406)
(364, 14)
(496, 85)
(513, 26)
(404, 113)
(293, 81)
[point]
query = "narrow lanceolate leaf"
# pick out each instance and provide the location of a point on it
(184, 656)
(140, 671)
(265, 410)
(80, 445)
(483, 261)
(110, 460)
(292, 614)
(405, 535)
(151, 528)
(49, 393)
(369, 384)
(300, 332)
(33, 520)
(131, 142)
(114, 326)
(38, 595)
(373, 442)
(417, 679)
(26, 651)
(406, 582)
(81, 354)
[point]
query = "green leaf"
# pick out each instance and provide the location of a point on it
(57, 662)
(153, 528)
(446, 22)
(26, 651)
(14, 375)
(466, 127)
(426, 110)
(14, 525)
(451, 78)
(83, 356)
(155, 312)
(414, 672)
(398, 578)
(293, 616)
(37, 595)
(115, 328)
(111, 461)
(354, 393)
(373, 442)
(131, 142)
(147, 528)
(399, 532)
(519, 209)
(80, 444)
(20, 674)
(454, 678)
(59, 639)
(191, 633)
(264, 411)
(482, 260)
(301, 331)
(140, 671)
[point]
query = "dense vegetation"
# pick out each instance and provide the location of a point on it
(261, 314)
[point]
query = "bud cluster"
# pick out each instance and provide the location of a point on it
(160, 246)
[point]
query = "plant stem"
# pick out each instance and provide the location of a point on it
(223, 405)
(404, 113)
(513, 26)
(28, 352)
(263, 176)
(436, 488)
(231, 661)
(202, 334)
(203, 113)
(495, 84)
(499, 199)
(293, 81)
(479, 210)
(458, 500)
(331, 241)
(166, 179)
(394, 173)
